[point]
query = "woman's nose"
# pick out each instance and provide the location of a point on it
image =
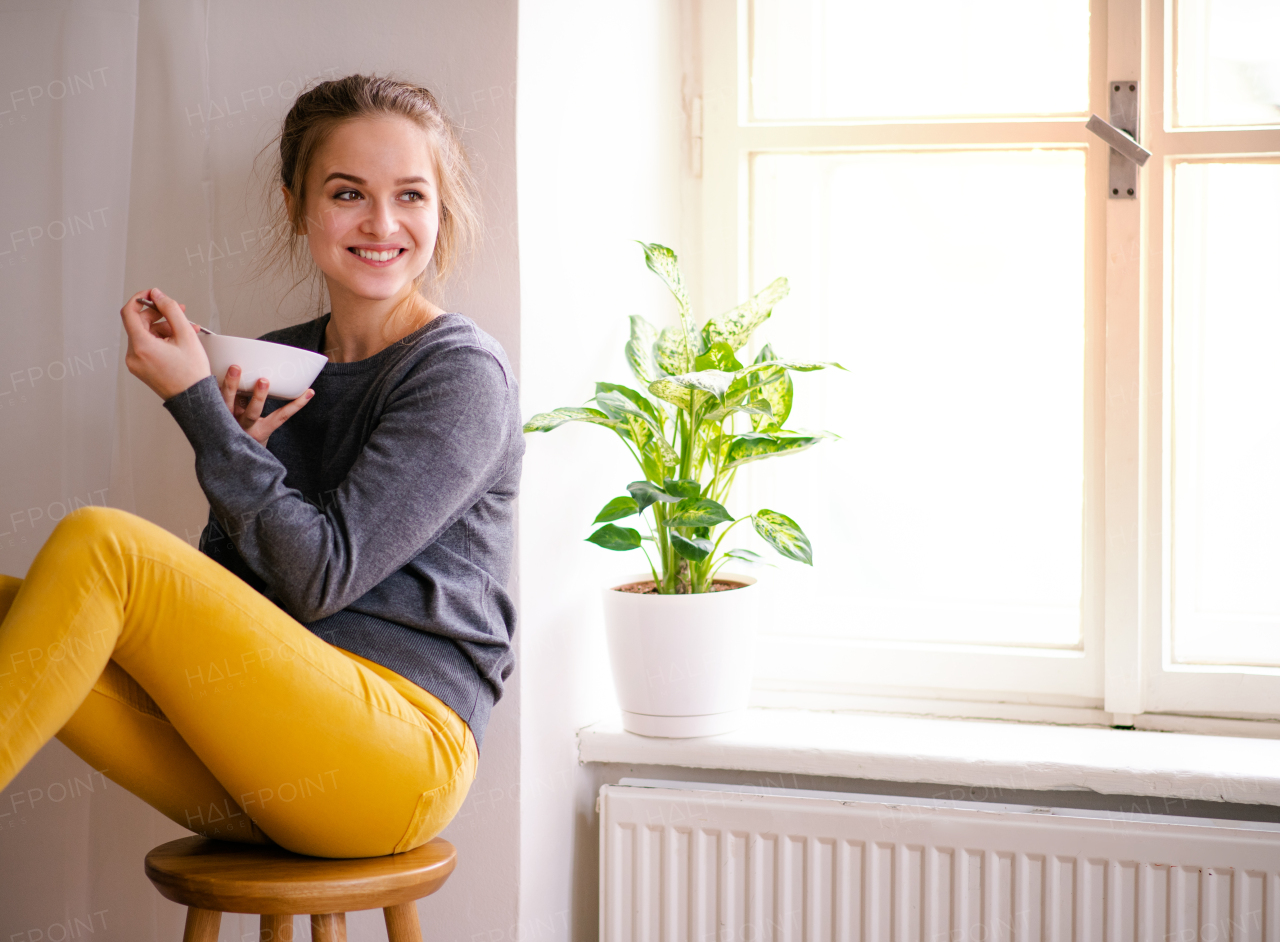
(381, 219)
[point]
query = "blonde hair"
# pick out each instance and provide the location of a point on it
(312, 119)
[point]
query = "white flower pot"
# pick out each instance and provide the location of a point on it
(682, 664)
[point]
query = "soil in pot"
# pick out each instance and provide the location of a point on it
(649, 587)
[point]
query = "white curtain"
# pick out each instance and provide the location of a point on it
(128, 132)
(66, 135)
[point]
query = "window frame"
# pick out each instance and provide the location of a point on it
(1121, 674)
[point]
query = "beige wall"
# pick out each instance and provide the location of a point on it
(189, 186)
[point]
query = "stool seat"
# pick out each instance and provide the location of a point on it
(258, 878)
(212, 877)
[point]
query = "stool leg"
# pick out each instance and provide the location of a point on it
(402, 922)
(275, 929)
(202, 925)
(329, 927)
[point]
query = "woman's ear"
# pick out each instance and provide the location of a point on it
(301, 227)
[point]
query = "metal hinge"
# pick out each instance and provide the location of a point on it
(1127, 155)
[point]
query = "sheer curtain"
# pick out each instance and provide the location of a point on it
(128, 133)
(66, 139)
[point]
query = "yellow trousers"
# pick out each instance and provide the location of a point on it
(180, 682)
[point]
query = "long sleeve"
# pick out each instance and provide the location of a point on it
(440, 442)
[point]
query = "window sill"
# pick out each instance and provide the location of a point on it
(966, 753)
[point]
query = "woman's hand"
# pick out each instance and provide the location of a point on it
(248, 409)
(168, 357)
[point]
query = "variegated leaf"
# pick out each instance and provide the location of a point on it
(698, 512)
(671, 350)
(716, 382)
(663, 263)
(679, 394)
(784, 535)
(800, 366)
(669, 455)
(735, 327)
(546, 421)
(779, 395)
(640, 350)
(752, 446)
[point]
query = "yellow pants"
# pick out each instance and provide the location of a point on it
(183, 684)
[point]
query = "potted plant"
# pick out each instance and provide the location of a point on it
(682, 637)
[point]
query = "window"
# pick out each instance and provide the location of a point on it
(1057, 495)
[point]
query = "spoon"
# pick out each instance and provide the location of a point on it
(147, 302)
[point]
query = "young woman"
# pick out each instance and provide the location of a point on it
(319, 674)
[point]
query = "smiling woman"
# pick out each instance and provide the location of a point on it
(345, 619)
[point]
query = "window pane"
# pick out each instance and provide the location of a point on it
(1228, 62)
(951, 509)
(832, 59)
(1226, 414)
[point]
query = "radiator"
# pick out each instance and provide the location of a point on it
(717, 863)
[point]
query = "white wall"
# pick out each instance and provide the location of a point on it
(213, 81)
(602, 144)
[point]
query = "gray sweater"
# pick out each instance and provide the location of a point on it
(380, 515)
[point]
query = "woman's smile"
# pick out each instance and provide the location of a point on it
(378, 256)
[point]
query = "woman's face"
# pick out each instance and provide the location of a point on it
(373, 207)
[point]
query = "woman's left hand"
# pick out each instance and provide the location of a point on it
(168, 357)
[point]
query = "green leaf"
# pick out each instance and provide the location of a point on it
(546, 421)
(663, 263)
(719, 356)
(646, 493)
(616, 509)
(633, 396)
(695, 549)
(752, 446)
(679, 394)
(682, 487)
(755, 409)
(779, 395)
(619, 539)
(735, 327)
(698, 512)
(784, 535)
(750, 557)
(617, 404)
(640, 350)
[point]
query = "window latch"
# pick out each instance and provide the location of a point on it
(1121, 133)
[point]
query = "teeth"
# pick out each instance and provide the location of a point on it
(377, 256)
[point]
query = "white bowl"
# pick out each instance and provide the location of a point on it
(289, 370)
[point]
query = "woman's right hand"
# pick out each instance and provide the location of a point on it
(247, 409)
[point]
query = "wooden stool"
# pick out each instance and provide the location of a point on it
(215, 877)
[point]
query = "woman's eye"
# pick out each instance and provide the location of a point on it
(412, 196)
(346, 195)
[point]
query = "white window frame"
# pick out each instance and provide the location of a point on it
(1120, 674)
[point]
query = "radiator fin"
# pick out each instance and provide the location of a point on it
(698, 866)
